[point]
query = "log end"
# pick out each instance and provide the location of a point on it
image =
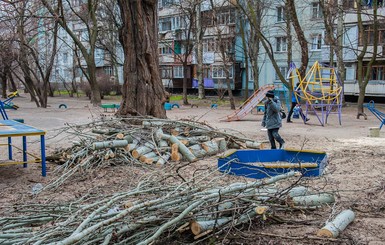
(119, 136)
(325, 233)
(261, 209)
(135, 154)
(196, 229)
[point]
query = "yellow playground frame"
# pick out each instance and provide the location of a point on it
(321, 88)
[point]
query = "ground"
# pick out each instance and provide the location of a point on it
(355, 172)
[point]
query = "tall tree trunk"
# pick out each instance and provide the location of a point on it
(96, 97)
(143, 92)
(339, 49)
(301, 37)
(228, 85)
(201, 85)
(363, 80)
(245, 54)
(3, 78)
(12, 84)
(185, 100)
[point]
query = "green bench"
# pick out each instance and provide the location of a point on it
(109, 106)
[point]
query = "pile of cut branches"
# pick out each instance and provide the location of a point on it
(144, 141)
(158, 210)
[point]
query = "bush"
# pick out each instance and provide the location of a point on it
(106, 86)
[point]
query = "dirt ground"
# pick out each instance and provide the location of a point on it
(356, 168)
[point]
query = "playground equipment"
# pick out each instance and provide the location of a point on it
(322, 90)
(380, 115)
(260, 164)
(2, 111)
(7, 104)
(250, 103)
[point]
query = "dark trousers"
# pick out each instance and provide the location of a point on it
(274, 136)
(293, 105)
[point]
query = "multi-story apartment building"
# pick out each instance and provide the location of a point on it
(178, 45)
(177, 29)
(274, 28)
(69, 61)
(353, 45)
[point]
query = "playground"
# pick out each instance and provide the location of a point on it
(355, 170)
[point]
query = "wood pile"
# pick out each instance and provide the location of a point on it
(156, 142)
(164, 206)
(155, 211)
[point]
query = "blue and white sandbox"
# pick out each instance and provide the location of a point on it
(259, 164)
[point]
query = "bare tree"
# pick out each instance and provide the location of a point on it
(6, 59)
(254, 20)
(334, 36)
(35, 37)
(226, 47)
(363, 73)
(83, 16)
(143, 92)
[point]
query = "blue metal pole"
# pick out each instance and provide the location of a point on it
(9, 148)
(42, 146)
(25, 151)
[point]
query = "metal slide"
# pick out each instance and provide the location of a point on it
(250, 103)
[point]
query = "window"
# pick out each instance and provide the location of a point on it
(219, 72)
(207, 18)
(226, 17)
(377, 72)
(166, 72)
(178, 72)
(178, 22)
(165, 24)
(76, 3)
(349, 4)
(368, 35)
(83, 35)
(280, 14)
(65, 58)
(108, 70)
(316, 42)
(281, 44)
(316, 11)
(208, 45)
(165, 3)
(165, 49)
(283, 70)
(380, 3)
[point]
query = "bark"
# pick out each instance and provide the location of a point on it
(185, 100)
(245, 54)
(3, 78)
(87, 52)
(201, 86)
(300, 35)
(364, 80)
(253, 17)
(143, 92)
(341, 221)
(12, 84)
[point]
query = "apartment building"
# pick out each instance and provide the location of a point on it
(70, 65)
(178, 44)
